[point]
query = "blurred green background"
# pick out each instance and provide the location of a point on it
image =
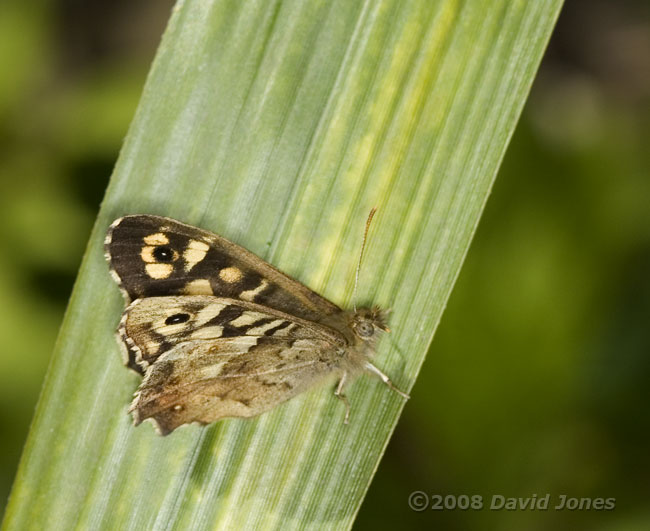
(538, 379)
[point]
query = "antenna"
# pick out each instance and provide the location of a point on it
(363, 246)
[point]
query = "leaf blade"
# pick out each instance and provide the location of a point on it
(279, 126)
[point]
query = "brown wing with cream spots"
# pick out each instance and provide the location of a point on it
(204, 358)
(152, 256)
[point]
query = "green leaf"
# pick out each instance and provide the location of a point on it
(279, 125)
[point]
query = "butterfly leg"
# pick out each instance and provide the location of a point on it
(374, 370)
(339, 394)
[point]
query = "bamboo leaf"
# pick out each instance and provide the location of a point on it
(279, 125)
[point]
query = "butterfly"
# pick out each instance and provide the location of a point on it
(217, 332)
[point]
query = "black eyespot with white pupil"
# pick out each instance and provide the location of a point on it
(365, 329)
(177, 318)
(163, 254)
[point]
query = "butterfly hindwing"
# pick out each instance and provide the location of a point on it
(206, 358)
(196, 382)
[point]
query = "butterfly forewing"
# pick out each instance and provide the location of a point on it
(203, 381)
(153, 256)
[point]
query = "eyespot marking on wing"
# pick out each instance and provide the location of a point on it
(173, 322)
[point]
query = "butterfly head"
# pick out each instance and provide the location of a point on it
(367, 323)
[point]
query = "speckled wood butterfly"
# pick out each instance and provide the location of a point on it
(218, 332)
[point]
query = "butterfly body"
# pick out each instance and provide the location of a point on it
(218, 332)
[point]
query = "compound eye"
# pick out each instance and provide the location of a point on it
(365, 329)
